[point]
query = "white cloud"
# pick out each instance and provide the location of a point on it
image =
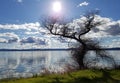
(12, 40)
(33, 33)
(7, 34)
(109, 28)
(110, 41)
(26, 26)
(3, 40)
(8, 37)
(36, 40)
(83, 4)
(114, 28)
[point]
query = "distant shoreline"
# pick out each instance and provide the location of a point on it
(52, 49)
(47, 49)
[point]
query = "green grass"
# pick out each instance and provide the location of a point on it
(81, 76)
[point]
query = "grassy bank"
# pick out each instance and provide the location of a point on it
(82, 76)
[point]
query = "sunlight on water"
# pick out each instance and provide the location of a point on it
(29, 63)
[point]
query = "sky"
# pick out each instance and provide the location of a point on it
(22, 11)
(20, 25)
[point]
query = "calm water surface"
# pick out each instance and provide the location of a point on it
(29, 63)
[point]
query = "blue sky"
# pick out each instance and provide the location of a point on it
(20, 25)
(22, 11)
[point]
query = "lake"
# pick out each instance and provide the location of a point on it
(29, 63)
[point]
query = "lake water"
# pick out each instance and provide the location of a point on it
(29, 63)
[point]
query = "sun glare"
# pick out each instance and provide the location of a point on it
(57, 6)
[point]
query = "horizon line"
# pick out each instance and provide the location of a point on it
(53, 49)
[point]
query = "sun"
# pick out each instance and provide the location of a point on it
(56, 6)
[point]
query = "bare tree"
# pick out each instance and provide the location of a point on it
(60, 28)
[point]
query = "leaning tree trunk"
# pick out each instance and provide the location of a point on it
(79, 55)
